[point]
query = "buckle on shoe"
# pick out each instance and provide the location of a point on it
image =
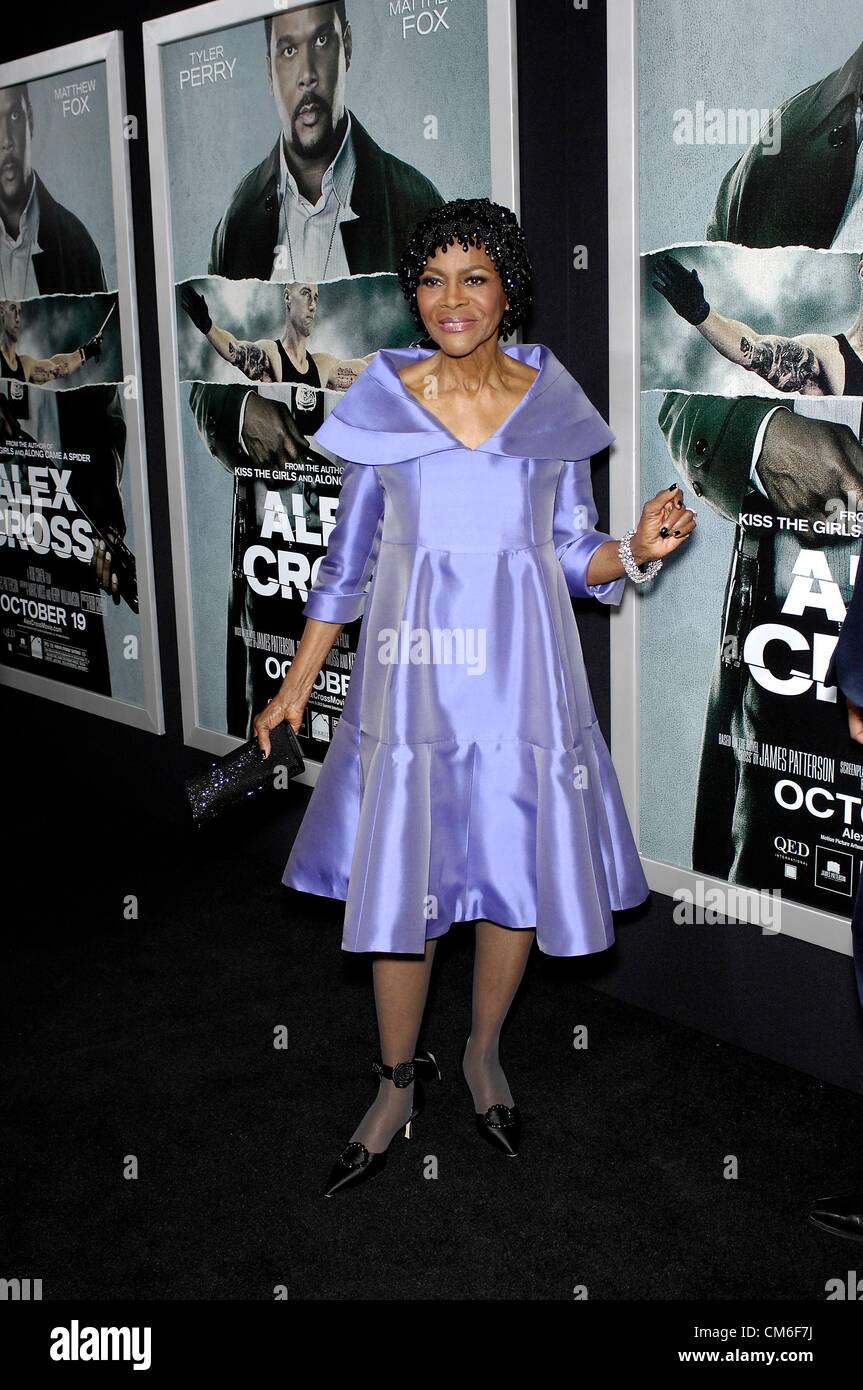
(353, 1154)
(508, 1112)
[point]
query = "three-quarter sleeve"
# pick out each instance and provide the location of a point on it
(338, 594)
(576, 536)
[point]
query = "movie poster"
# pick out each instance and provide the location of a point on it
(751, 239)
(77, 619)
(292, 156)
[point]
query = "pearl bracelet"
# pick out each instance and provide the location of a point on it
(628, 561)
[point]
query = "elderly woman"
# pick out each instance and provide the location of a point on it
(467, 779)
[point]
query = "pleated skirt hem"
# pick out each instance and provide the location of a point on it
(418, 837)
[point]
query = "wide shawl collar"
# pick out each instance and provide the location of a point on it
(378, 421)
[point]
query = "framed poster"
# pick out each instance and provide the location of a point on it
(736, 230)
(77, 610)
(293, 149)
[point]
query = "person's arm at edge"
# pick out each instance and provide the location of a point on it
(315, 643)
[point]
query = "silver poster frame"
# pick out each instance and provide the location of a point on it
(108, 49)
(198, 22)
(798, 920)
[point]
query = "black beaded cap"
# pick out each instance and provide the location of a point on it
(473, 222)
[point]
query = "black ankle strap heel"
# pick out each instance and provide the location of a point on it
(355, 1164)
(424, 1066)
(402, 1074)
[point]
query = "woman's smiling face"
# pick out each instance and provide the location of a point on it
(460, 298)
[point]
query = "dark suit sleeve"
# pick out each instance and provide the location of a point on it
(725, 205)
(431, 197)
(216, 410)
(416, 197)
(95, 273)
(217, 248)
(745, 208)
(83, 272)
(710, 439)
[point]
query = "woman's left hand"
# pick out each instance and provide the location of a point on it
(665, 512)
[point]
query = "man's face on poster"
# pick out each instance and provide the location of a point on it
(306, 66)
(15, 169)
(10, 320)
(301, 306)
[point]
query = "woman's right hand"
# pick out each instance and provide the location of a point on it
(288, 704)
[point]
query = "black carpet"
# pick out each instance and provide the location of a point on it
(140, 1038)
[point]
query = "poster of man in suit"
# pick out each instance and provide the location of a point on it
(752, 388)
(69, 606)
(302, 148)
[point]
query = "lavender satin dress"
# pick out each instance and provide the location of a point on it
(467, 776)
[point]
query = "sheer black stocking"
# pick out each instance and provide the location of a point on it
(401, 988)
(499, 963)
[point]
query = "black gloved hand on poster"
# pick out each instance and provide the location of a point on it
(195, 305)
(92, 348)
(682, 288)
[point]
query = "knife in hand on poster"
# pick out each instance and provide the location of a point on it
(93, 347)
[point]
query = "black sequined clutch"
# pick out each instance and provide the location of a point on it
(243, 774)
